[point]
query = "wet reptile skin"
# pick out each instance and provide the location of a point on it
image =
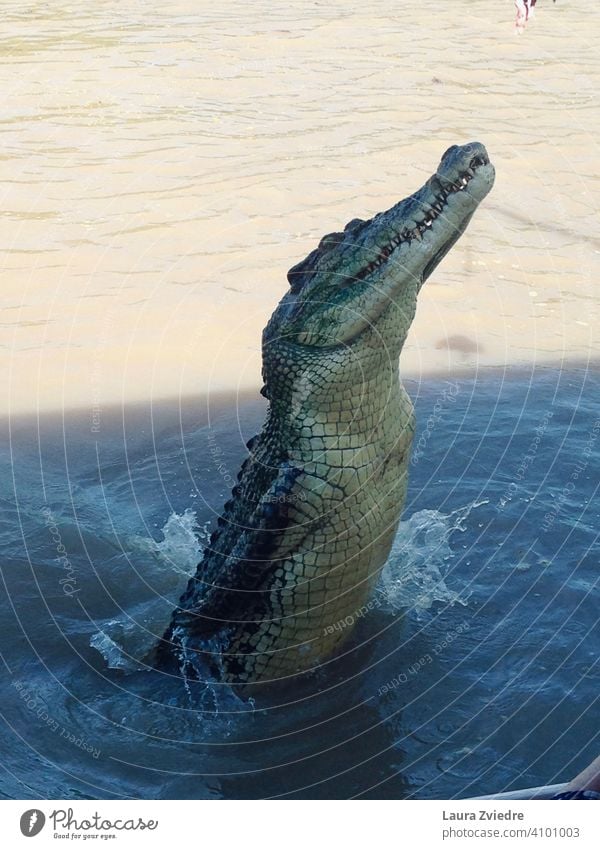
(300, 545)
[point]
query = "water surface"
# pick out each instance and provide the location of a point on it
(475, 670)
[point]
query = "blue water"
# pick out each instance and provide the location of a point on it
(475, 670)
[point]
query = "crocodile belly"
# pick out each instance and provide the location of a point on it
(319, 593)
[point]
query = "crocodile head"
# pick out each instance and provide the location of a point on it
(355, 277)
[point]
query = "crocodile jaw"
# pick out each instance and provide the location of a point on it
(347, 283)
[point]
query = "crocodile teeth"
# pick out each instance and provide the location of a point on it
(436, 209)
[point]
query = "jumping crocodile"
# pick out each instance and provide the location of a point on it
(300, 545)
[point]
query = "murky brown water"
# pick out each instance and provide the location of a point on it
(163, 165)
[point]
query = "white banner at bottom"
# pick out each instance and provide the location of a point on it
(301, 824)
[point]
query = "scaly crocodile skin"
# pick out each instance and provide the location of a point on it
(302, 541)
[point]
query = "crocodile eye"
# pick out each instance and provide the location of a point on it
(330, 241)
(299, 274)
(354, 224)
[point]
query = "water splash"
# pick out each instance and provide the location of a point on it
(111, 651)
(182, 543)
(167, 566)
(414, 577)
